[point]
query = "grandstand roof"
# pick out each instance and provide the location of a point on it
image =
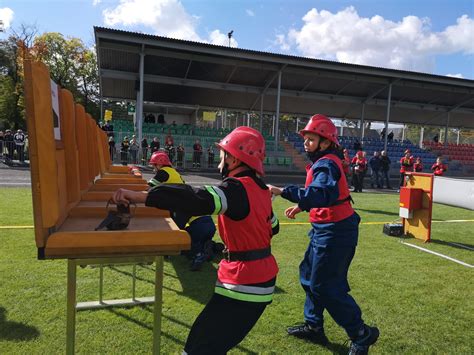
(192, 74)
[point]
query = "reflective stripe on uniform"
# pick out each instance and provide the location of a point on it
(274, 221)
(248, 297)
(223, 199)
(247, 289)
(153, 182)
(217, 199)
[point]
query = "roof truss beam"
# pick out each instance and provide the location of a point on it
(113, 74)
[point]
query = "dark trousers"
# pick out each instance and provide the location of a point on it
(197, 158)
(222, 325)
(323, 276)
(386, 178)
(358, 181)
(375, 179)
(402, 179)
(200, 230)
(180, 158)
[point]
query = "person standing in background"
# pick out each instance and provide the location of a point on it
(439, 168)
(374, 164)
(197, 153)
(144, 145)
(406, 164)
(385, 169)
(418, 166)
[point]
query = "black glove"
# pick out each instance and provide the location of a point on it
(116, 220)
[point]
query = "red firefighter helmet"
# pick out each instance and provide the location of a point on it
(247, 145)
(322, 126)
(160, 158)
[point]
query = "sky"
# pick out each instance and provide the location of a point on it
(429, 36)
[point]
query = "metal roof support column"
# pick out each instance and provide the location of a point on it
(446, 130)
(387, 119)
(101, 108)
(422, 131)
(277, 118)
(403, 132)
(341, 131)
(260, 122)
(362, 124)
(457, 139)
(139, 111)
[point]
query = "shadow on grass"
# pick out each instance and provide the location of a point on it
(463, 246)
(337, 348)
(143, 324)
(127, 273)
(172, 319)
(196, 285)
(377, 211)
(14, 331)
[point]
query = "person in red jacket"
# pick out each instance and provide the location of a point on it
(418, 166)
(359, 167)
(333, 239)
(439, 168)
(406, 165)
(247, 273)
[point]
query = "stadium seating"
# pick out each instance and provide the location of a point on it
(395, 149)
(187, 135)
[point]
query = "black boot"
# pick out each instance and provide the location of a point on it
(361, 344)
(305, 331)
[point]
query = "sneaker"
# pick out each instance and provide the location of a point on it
(305, 331)
(197, 262)
(360, 345)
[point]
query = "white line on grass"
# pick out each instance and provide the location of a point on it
(439, 254)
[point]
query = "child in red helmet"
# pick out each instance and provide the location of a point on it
(247, 274)
(333, 240)
(406, 164)
(439, 168)
(201, 229)
(359, 167)
(418, 166)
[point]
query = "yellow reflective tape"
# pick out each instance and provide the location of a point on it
(243, 296)
(275, 223)
(217, 199)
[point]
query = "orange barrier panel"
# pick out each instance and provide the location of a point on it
(68, 114)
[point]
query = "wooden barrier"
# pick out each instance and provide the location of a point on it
(71, 178)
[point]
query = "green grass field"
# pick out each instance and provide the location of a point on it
(422, 303)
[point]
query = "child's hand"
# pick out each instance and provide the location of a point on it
(124, 196)
(275, 190)
(291, 212)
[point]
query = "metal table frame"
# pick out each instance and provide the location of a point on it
(72, 306)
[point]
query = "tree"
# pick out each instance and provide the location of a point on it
(13, 51)
(71, 65)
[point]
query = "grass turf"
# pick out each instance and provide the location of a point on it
(421, 302)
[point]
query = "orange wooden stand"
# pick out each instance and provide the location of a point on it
(419, 226)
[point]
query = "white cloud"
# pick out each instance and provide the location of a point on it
(164, 17)
(221, 39)
(346, 37)
(96, 2)
(280, 41)
(6, 16)
(250, 13)
(458, 75)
